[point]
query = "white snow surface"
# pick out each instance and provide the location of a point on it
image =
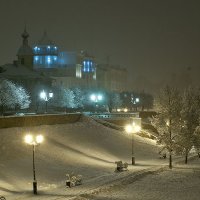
(87, 148)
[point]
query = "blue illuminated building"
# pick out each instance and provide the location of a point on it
(48, 57)
(44, 65)
(88, 66)
(45, 53)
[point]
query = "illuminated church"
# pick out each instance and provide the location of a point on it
(44, 64)
(45, 53)
(69, 69)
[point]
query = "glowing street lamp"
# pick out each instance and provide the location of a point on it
(96, 98)
(46, 97)
(34, 140)
(135, 101)
(131, 129)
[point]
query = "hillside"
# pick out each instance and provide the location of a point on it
(86, 147)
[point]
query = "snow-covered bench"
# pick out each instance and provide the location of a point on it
(73, 180)
(121, 166)
(163, 156)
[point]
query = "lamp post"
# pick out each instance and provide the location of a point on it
(31, 140)
(46, 97)
(96, 98)
(131, 129)
(135, 101)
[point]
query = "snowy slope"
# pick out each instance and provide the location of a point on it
(85, 148)
(180, 183)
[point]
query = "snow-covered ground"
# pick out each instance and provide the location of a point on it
(180, 183)
(87, 148)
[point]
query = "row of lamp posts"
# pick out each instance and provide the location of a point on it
(37, 140)
(96, 98)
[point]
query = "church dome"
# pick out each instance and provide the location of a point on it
(25, 49)
(45, 40)
(45, 46)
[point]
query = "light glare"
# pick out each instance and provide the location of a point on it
(137, 128)
(93, 97)
(50, 94)
(28, 139)
(128, 128)
(99, 97)
(125, 110)
(43, 95)
(39, 139)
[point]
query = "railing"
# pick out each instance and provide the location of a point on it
(114, 115)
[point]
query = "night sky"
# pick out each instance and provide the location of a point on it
(158, 41)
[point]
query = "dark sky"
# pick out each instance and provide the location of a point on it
(158, 41)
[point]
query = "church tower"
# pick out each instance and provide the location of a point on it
(25, 53)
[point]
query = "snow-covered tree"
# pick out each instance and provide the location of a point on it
(7, 94)
(196, 140)
(12, 96)
(70, 98)
(146, 101)
(79, 97)
(167, 121)
(115, 101)
(22, 98)
(63, 98)
(189, 121)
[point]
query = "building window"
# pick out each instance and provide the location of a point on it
(88, 66)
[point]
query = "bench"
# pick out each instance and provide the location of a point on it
(121, 166)
(73, 180)
(162, 155)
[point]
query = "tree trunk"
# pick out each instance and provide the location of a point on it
(186, 157)
(170, 151)
(170, 159)
(36, 107)
(142, 108)
(2, 110)
(199, 154)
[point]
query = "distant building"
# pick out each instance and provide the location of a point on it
(45, 53)
(69, 69)
(112, 78)
(43, 64)
(21, 71)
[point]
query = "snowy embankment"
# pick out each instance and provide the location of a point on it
(85, 148)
